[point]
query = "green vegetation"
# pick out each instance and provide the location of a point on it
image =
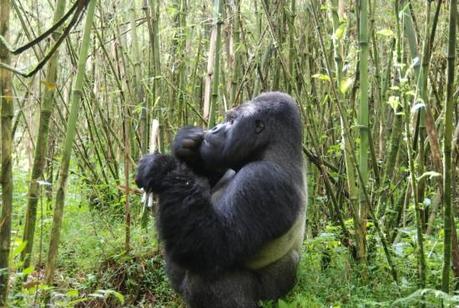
(84, 84)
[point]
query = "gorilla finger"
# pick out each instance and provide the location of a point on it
(188, 143)
(185, 153)
(197, 137)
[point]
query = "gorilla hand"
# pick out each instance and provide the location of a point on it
(152, 169)
(187, 148)
(187, 143)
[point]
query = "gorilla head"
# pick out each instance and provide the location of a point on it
(257, 130)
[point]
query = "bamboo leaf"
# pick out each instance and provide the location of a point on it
(28, 270)
(394, 102)
(345, 85)
(339, 33)
(19, 248)
(429, 174)
(44, 183)
(72, 293)
(410, 93)
(118, 295)
(49, 85)
(386, 32)
(321, 77)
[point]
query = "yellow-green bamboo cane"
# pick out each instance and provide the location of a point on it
(363, 124)
(68, 143)
(447, 146)
(213, 66)
(41, 145)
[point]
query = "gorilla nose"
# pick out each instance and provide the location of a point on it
(216, 129)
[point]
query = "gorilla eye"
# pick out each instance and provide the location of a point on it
(259, 126)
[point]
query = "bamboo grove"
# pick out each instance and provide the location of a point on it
(83, 81)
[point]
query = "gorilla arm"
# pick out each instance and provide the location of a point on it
(258, 205)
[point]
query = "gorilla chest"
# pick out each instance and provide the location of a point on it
(222, 184)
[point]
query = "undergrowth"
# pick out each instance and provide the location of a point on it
(94, 270)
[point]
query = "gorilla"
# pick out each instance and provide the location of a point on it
(231, 212)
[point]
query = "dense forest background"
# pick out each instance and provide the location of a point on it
(89, 86)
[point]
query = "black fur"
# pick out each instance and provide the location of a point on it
(223, 195)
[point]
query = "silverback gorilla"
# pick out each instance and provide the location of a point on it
(232, 205)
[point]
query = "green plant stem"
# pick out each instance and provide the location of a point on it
(41, 148)
(363, 119)
(68, 143)
(447, 145)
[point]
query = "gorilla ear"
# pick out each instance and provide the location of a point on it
(259, 126)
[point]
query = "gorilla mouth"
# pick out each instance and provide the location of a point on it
(210, 140)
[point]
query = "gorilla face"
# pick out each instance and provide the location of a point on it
(249, 131)
(236, 141)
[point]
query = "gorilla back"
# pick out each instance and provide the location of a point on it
(232, 205)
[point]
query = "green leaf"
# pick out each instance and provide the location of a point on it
(411, 93)
(107, 293)
(345, 84)
(394, 102)
(28, 271)
(19, 248)
(72, 293)
(339, 33)
(386, 32)
(119, 296)
(321, 77)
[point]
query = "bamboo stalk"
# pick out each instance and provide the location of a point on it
(423, 91)
(420, 131)
(139, 92)
(69, 139)
(212, 81)
(447, 146)
(363, 120)
(154, 36)
(127, 155)
(419, 234)
(6, 178)
(41, 145)
(350, 172)
(177, 62)
(291, 42)
(237, 54)
(397, 124)
(379, 122)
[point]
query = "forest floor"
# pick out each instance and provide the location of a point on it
(95, 271)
